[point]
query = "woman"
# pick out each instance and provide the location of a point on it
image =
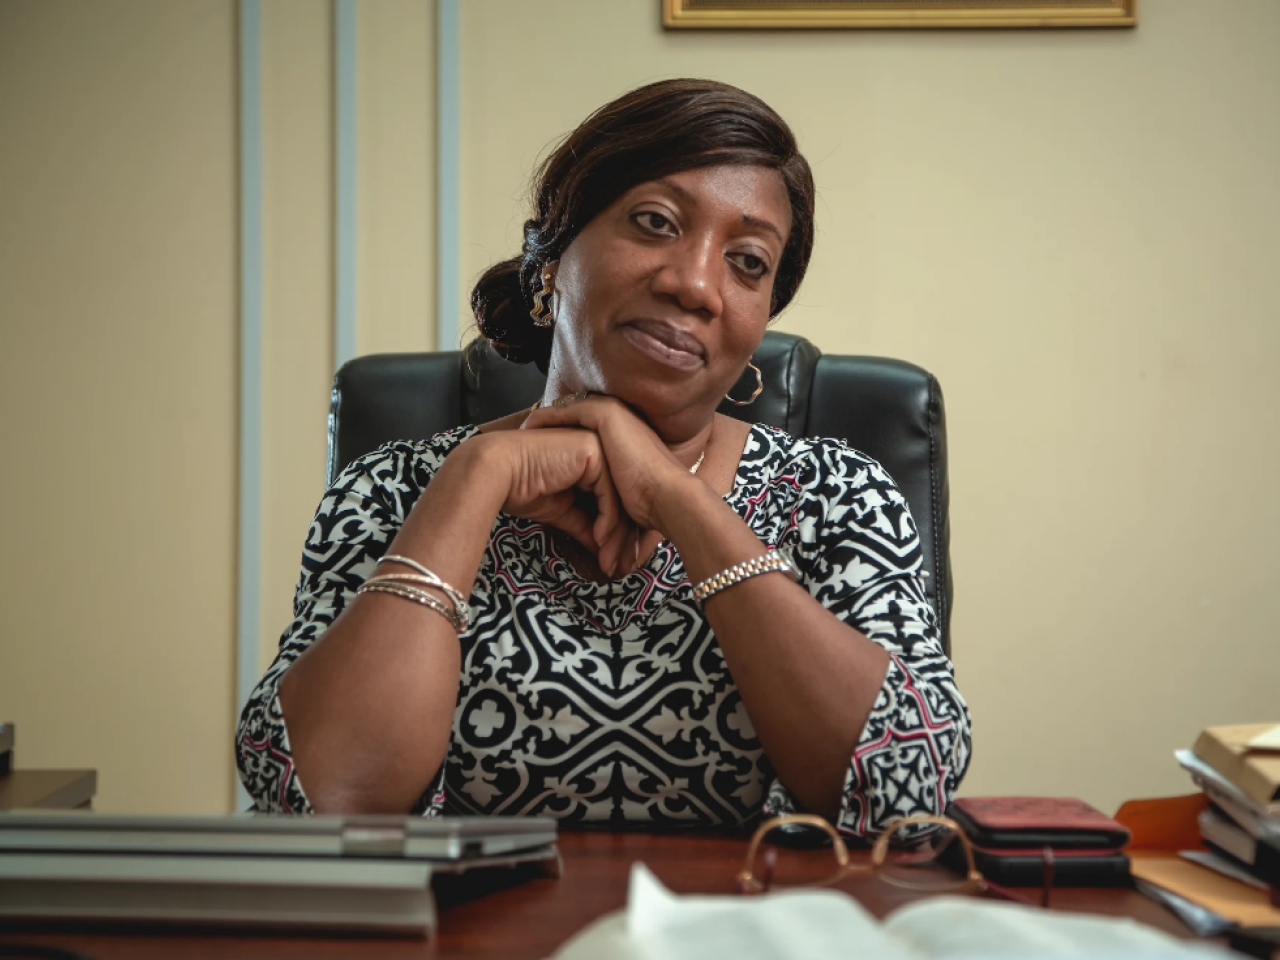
(675, 618)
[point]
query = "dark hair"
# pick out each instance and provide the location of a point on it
(655, 130)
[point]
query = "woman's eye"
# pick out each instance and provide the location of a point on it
(654, 222)
(752, 265)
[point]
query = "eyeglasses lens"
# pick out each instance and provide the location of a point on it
(794, 857)
(923, 857)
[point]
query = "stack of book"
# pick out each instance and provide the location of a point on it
(363, 874)
(1238, 768)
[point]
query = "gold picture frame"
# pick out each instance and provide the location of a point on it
(809, 14)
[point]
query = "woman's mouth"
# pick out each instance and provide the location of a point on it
(665, 343)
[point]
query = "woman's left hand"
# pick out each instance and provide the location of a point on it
(643, 470)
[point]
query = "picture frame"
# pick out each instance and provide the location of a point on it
(895, 14)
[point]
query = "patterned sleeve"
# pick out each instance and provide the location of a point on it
(356, 521)
(859, 554)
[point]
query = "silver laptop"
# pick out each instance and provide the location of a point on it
(437, 839)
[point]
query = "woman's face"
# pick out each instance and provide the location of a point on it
(662, 298)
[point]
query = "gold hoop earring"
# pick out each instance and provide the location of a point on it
(759, 388)
(541, 312)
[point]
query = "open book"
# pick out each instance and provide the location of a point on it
(829, 925)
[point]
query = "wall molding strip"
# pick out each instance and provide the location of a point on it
(448, 239)
(249, 547)
(345, 226)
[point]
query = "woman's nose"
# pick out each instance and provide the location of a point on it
(690, 274)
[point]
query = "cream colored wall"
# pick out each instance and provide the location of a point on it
(395, 244)
(118, 393)
(1078, 232)
(298, 292)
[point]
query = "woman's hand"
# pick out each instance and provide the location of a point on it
(559, 478)
(641, 468)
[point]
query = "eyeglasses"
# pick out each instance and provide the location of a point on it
(909, 853)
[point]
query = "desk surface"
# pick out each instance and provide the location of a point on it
(497, 917)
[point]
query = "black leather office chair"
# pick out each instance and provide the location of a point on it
(888, 409)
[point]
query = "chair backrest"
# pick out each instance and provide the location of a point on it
(888, 409)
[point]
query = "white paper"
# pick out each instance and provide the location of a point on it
(788, 925)
(830, 925)
(963, 927)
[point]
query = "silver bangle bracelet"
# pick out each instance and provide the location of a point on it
(417, 596)
(768, 563)
(459, 601)
(412, 581)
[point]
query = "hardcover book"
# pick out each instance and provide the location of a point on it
(1256, 771)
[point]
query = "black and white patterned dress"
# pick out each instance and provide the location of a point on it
(611, 703)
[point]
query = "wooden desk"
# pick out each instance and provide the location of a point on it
(499, 918)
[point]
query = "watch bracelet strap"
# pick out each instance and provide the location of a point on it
(767, 563)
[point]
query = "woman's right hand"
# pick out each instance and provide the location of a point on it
(559, 477)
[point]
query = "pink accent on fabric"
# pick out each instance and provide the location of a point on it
(753, 502)
(931, 727)
(264, 745)
(555, 560)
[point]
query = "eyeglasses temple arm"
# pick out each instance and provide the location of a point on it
(1004, 893)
